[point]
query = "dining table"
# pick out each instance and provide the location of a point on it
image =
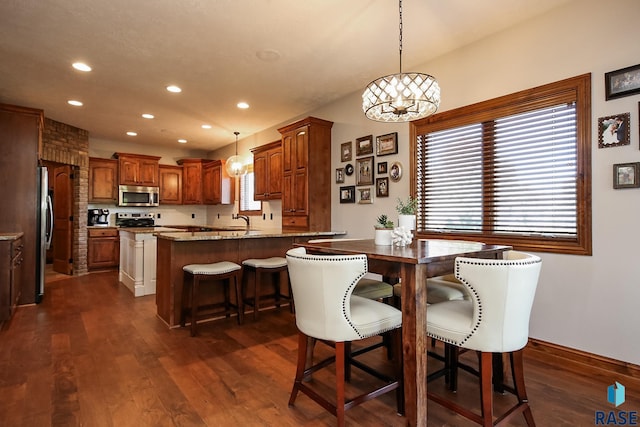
(410, 266)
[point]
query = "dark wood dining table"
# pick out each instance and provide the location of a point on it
(411, 266)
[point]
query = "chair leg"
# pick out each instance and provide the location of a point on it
(340, 375)
(194, 304)
(486, 392)
(347, 357)
(303, 343)
(256, 293)
(239, 301)
(396, 346)
(517, 369)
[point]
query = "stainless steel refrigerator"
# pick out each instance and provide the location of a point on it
(45, 230)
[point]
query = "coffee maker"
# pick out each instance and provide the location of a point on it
(98, 217)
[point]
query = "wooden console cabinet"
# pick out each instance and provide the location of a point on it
(267, 171)
(306, 180)
(138, 169)
(103, 180)
(104, 248)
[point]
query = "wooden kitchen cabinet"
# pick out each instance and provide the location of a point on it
(138, 169)
(306, 178)
(205, 182)
(170, 185)
(267, 171)
(11, 260)
(103, 180)
(104, 248)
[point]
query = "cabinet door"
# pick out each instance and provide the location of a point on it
(211, 181)
(192, 183)
(170, 185)
(103, 179)
(103, 252)
(148, 172)
(129, 171)
(274, 184)
(260, 176)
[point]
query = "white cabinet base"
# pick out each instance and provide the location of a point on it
(138, 262)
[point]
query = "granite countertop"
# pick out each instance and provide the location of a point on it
(11, 236)
(186, 236)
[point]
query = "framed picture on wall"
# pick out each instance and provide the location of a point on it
(345, 152)
(626, 175)
(623, 82)
(613, 131)
(387, 144)
(348, 194)
(339, 175)
(364, 145)
(365, 195)
(382, 187)
(364, 171)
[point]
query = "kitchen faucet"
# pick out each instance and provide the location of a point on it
(246, 218)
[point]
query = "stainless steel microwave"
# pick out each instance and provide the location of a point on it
(135, 195)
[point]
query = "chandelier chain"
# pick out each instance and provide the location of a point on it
(400, 9)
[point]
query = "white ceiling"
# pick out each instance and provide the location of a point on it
(325, 49)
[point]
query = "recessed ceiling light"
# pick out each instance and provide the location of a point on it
(74, 103)
(182, 141)
(206, 126)
(131, 133)
(174, 89)
(243, 105)
(268, 55)
(148, 116)
(81, 66)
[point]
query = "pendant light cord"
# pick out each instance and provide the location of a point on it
(400, 9)
(236, 133)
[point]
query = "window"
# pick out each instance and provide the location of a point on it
(513, 170)
(248, 206)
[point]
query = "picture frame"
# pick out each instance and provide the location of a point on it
(346, 151)
(387, 144)
(382, 168)
(622, 82)
(626, 175)
(395, 172)
(382, 187)
(348, 194)
(365, 196)
(364, 145)
(364, 171)
(613, 131)
(339, 175)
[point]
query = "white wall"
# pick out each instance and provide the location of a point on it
(588, 303)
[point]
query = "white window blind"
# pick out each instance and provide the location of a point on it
(513, 175)
(247, 203)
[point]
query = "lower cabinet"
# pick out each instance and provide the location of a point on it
(104, 248)
(11, 259)
(138, 262)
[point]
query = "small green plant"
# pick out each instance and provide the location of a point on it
(383, 222)
(407, 207)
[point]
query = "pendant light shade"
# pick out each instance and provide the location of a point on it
(401, 97)
(235, 165)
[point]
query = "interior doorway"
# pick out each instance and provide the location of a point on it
(60, 253)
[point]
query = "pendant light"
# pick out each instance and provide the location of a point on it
(401, 97)
(235, 165)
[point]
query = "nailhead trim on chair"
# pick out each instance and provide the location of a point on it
(350, 288)
(479, 261)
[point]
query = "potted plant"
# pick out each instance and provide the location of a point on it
(407, 212)
(383, 230)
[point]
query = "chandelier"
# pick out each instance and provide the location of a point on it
(235, 165)
(401, 97)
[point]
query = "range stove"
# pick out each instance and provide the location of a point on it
(135, 219)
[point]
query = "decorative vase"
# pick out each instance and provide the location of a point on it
(407, 221)
(383, 236)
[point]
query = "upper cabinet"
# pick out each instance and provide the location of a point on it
(103, 180)
(205, 182)
(170, 185)
(267, 171)
(306, 180)
(138, 169)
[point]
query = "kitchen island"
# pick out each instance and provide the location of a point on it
(177, 249)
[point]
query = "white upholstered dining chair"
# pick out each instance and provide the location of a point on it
(327, 310)
(495, 319)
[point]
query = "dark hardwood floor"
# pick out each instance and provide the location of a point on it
(93, 355)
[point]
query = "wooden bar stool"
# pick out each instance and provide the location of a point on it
(223, 272)
(259, 267)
